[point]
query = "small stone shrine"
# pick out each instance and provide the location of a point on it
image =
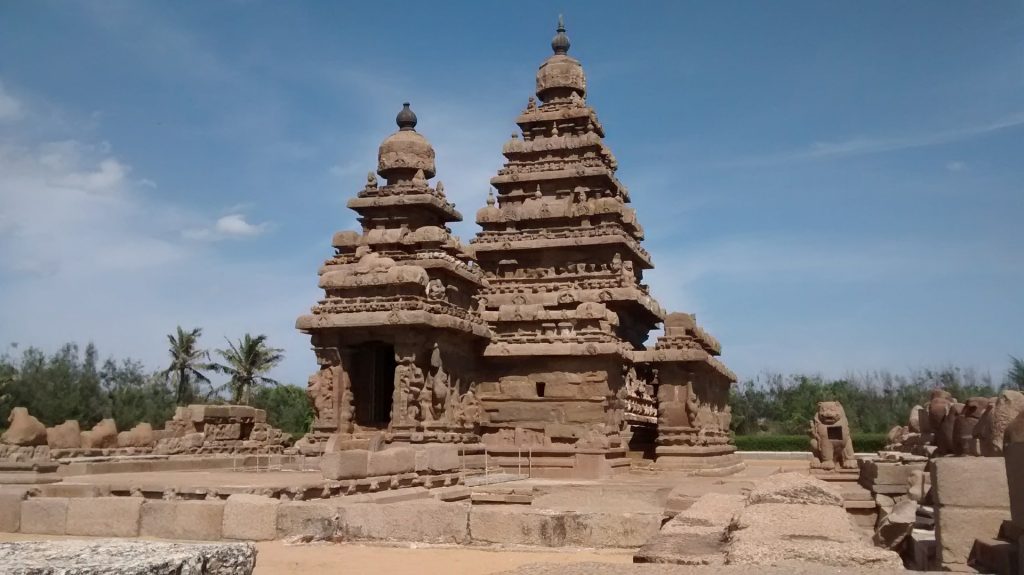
(530, 341)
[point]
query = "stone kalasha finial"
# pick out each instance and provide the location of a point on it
(560, 43)
(406, 119)
(404, 152)
(490, 197)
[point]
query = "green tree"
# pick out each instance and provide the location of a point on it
(187, 364)
(246, 363)
(135, 396)
(287, 407)
(65, 385)
(1015, 376)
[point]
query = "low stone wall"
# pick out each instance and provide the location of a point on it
(256, 518)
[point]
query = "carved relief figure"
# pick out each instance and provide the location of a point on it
(436, 290)
(831, 442)
(406, 405)
(692, 405)
(320, 391)
(439, 385)
(346, 419)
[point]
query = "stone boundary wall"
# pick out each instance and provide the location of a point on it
(378, 517)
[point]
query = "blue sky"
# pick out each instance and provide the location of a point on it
(829, 186)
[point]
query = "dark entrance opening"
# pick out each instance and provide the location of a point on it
(373, 383)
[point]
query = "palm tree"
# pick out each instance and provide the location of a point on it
(187, 361)
(1016, 373)
(246, 363)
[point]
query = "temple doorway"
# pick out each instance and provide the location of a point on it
(373, 382)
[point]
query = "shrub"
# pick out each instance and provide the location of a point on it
(862, 442)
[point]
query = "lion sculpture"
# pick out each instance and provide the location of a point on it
(831, 442)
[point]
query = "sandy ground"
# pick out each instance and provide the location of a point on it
(278, 558)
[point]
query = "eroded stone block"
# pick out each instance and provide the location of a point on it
(956, 528)
(314, 520)
(417, 521)
(104, 516)
(193, 520)
(44, 516)
(392, 461)
(970, 482)
(548, 528)
(348, 464)
(10, 509)
(250, 517)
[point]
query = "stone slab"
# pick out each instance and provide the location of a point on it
(10, 509)
(104, 516)
(95, 557)
(193, 520)
(970, 482)
(44, 516)
(348, 464)
(307, 520)
(427, 521)
(994, 556)
(1014, 459)
(956, 529)
(250, 517)
(515, 525)
(393, 461)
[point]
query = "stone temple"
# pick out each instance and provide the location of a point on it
(529, 342)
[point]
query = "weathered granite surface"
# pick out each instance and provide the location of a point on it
(115, 557)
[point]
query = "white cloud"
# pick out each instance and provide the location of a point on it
(10, 107)
(956, 166)
(88, 254)
(235, 225)
(227, 227)
(859, 146)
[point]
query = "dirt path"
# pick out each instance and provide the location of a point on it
(276, 558)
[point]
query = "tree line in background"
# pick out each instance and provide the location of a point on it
(874, 402)
(75, 384)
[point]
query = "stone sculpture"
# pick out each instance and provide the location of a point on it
(967, 420)
(67, 435)
(1006, 407)
(23, 429)
(103, 435)
(831, 442)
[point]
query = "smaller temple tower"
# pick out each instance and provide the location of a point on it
(394, 335)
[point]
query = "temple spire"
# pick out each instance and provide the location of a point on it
(560, 43)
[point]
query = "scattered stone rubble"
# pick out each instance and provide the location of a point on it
(787, 519)
(194, 430)
(116, 557)
(944, 426)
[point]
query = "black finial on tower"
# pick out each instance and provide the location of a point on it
(406, 119)
(560, 43)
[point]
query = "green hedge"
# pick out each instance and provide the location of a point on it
(862, 442)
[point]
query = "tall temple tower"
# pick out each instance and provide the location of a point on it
(526, 348)
(566, 373)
